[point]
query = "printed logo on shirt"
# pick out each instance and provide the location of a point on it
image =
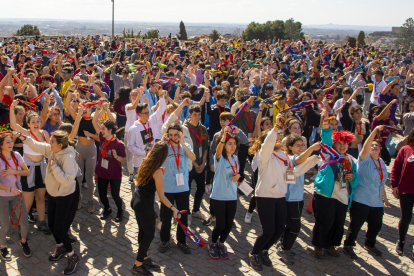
(411, 158)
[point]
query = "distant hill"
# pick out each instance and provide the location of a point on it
(331, 26)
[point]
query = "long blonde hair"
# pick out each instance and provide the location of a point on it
(257, 143)
(152, 162)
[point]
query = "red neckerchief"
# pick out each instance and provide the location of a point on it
(249, 123)
(347, 163)
(235, 163)
(8, 165)
(104, 147)
(360, 128)
(40, 135)
(197, 135)
(380, 172)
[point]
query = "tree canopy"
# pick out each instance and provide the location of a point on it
(278, 29)
(152, 34)
(215, 35)
(183, 32)
(361, 39)
(406, 35)
(28, 30)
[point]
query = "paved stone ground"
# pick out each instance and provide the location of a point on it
(110, 249)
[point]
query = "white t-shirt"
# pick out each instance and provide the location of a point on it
(131, 117)
(337, 105)
(377, 90)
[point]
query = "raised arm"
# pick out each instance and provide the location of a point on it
(367, 145)
(381, 116)
(76, 124)
(306, 154)
(13, 124)
(220, 146)
(95, 120)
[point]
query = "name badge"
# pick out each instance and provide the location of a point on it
(148, 146)
(179, 177)
(290, 177)
(249, 135)
(343, 186)
(200, 151)
(245, 188)
(104, 164)
(88, 138)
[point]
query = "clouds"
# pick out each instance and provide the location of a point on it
(350, 12)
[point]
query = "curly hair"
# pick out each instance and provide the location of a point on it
(343, 136)
(257, 143)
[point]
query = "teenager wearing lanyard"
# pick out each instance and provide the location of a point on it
(369, 197)
(294, 196)
(140, 134)
(149, 181)
(63, 192)
(402, 175)
(131, 117)
(334, 189)
(12, 167)
(275, 169)
(379, 85)
(224, 193)
(176, 187)
(247, 123)
(109, 164)
(33, 185)
(198, 134)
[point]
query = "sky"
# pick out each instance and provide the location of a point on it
(343, 12)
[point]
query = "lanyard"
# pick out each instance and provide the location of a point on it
(163, 116)
(154, 99)
(235, 163)
(40, 135)
(148, 131)
(360, 128)
(284, 161)
(197, 136)
(219, 109)
(104, 147)
(177, 157)
(87, 118)
(8, 165)
(249, 122)
(380, 172)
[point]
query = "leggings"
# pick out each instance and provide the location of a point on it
(330, 217)
(406, 204)
(293, 223)
(272, 214)
(252, 204)
(103, 192)
(182, 203)
(144, 214)
(5, 203)
(243, 155)
(225, 211)
(200, 180)
(61, 213)
(361, 213)
(87, 164)
(129, 156)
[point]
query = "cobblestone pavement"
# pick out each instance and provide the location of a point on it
(110, 249)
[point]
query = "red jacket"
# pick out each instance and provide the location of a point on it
(402, 173)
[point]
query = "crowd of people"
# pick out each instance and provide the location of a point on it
(73, 111)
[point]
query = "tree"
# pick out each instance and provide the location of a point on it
(215, 35)
(406, 34)
(130, 34)
(293, 30)
(274, 29)
(183, 32)
(361, 39)
(152, 34)
(352, 41)
(28, 30)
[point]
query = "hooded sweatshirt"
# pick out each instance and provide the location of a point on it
(199, 137)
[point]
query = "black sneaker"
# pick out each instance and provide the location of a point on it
(105, 214)
(400, 248)
(265, 258)
(349, 251)
(223, 251)
(72, 263)
(119, 217)
(60, 251)
(373, 250)
(42, 227)
(213, 251)
(164, 247)
(255, 261)
(184, 247)
(141, 271)
(31, 218)
(5, 255)
(26, 249)
(150, 264)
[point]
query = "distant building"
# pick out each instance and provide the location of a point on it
(396, 29)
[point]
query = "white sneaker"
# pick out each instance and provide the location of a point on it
(199, 215)
(159, 225)
(248, 217)
(209, 187)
